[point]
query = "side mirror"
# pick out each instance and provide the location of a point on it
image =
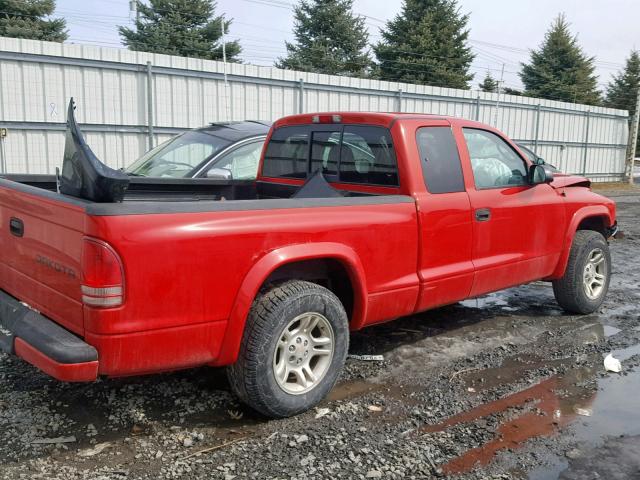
(540, 174)
(220, 174)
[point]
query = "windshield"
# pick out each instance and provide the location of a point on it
(532, 157)
(535, 159)
(178, 156)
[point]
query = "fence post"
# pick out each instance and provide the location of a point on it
(633, 140)
(301, 96)
(586, 143)
(478, 108)
(399, 96)
(3, 165)
(150, 105)
(3, 162)
(535, 142)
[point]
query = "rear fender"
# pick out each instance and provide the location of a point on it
(578, 217)
(272, 261)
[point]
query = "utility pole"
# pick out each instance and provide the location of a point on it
(495, 119)
(224, 52)
(633, 139)
(227, 107)
(133, 6)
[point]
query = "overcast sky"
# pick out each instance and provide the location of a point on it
(502, 31)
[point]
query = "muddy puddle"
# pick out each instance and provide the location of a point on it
(613, 413)
(555, 386)
(521, 300)
(116, 409)
(539, 410)
(576, 399)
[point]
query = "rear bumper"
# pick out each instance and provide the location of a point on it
(45, 344)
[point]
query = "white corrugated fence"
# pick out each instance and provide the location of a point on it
(129, 100)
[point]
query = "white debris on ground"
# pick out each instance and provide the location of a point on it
(612, 364)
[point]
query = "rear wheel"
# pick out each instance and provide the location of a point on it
(586, 280)
(293, 349)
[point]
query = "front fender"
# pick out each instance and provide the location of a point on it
(269, 263)
(576, 219)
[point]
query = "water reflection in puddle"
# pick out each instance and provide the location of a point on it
(520, 299)
(614, 412)
(610, 331)
(578, 401)
(533, 412)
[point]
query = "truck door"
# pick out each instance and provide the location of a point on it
(445, 266)
(517, 228)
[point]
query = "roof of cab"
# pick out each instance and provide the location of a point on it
(370, 118)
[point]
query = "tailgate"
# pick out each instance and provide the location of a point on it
(40, 251)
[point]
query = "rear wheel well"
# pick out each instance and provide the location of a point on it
(597, 223)
(328, 272)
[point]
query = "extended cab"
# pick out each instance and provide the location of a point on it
(355, 219)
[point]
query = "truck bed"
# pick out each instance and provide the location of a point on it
(197, 253)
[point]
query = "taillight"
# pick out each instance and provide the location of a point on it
(102, 277)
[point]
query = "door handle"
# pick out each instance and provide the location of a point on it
(483, 214)
(16, 226)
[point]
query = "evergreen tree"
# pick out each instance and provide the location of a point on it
(426, 43)
(511, 91)
(329, 39)
(28, 19)
(560, 70)
(622, 91)
(489, 84)
(180, 27)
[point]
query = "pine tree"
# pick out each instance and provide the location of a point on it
(329, 39)
(560, 70)
(180, 27)
(622, 91)
(511, 91)
(489, 84)
(426, 43)
(28, 19)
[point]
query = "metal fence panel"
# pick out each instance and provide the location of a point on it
(126, 98)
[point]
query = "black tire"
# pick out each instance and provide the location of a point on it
(569, 290)
(252, 377)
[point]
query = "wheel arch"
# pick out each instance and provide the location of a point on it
(593, 217)
(281, 264)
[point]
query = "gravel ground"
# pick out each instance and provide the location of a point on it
(505, 386)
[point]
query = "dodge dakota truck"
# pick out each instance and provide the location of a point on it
(354, 219)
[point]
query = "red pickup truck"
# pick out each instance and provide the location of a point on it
(354, 219)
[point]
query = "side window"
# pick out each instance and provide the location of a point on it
(440, 161)
(325, 152)
(243, 161)
(287, 153)
(189, 154)
(367, 156)
(494, 162)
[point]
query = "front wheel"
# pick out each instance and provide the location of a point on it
(586, 280)
(294, 347)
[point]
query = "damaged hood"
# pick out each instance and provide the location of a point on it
(562, 180)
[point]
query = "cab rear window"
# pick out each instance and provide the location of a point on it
(345, 154)
(287, 153)
(367, 156)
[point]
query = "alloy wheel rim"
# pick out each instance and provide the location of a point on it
(304, 353)
(594, 275)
